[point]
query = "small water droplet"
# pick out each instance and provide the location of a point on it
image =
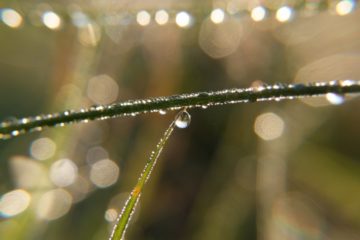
(24, 120)
(259, 88)
(5, 136)
(15, 133)
(162, 112)
(298, 86)
(9, 121)
(335, 98)
(334, 83)
(347, 83)
(183, 119)
(275, 86)
(99, 107)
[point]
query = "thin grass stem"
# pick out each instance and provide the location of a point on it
(276, 92)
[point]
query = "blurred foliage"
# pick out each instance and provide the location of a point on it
(218, 179)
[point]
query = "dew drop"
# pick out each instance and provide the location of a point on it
(15, 133)
(298, 86)
(162, 112)
(9, 121)
(334, 83)
(347, 83)
(24, 120)
(183, 119)
(335, 98)
(4, 136)
(259, 88)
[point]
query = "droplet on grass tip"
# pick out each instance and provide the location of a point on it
(183, 119)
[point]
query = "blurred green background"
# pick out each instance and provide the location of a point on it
(270, 170)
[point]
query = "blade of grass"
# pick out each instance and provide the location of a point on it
(130, 205)
(15, 127)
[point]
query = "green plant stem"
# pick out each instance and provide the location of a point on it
(175, 102)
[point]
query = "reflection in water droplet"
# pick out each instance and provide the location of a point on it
(335, 98)
(183, 119)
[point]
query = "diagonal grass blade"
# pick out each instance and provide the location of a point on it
(130, 205)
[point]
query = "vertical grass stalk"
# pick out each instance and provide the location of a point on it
(130, 205)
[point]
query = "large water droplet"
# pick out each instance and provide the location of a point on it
(335, 98)
(183, 119)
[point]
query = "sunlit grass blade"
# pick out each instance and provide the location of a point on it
(130, 205)
(276, 92)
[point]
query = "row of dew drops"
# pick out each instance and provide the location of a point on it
(102, 112)
(44, 15)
